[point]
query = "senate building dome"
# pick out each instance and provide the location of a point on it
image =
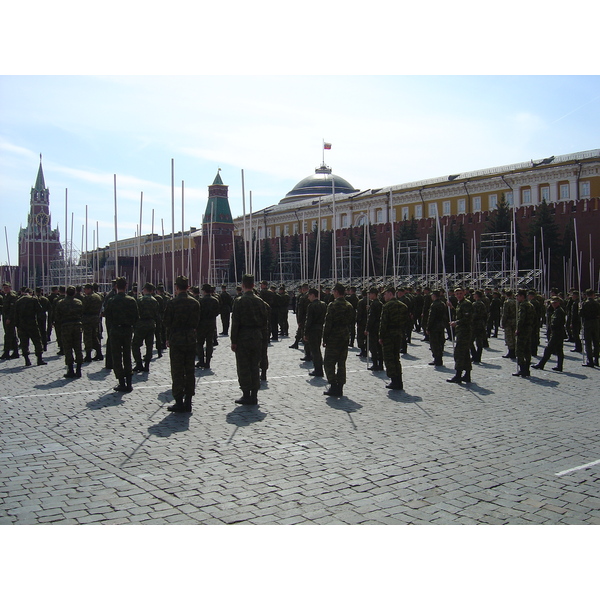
(319, 184)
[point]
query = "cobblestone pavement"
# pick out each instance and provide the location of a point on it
(500, 450)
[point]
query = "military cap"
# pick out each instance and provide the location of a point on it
(248, 280)
(61, 288)
(590, 292)
(373, 290)
(23, 289)
(313, 291)
(149, 286)
(555, 299)
(195, 289)
(282, 287)
(182, 281)
(71, 290)
(7, 283)
(88, 286)
(339, 288)
(391, 289)
(38, 289)
(264, 282)
(160, 287)
(575, 292)
(121, 282)
(206, 287)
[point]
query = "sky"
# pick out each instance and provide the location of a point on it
(391, 126)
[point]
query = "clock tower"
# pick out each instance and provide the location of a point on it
(39, 244)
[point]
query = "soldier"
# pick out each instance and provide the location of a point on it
(43, 316)
(508, 322)
(495, 311)
(392, 336)
(336, 334)
(301, 307)
(162, 297)
(527, 320)
(372, 330)
(427, 301)
(461, 326)
(145, 328)
(478, 325)
(270, 298)
(51, 298)
(418, 302)
(435, 328)
(113, 292)
(92, 306)
(404, 297)
(207, 325)
(313, 330)
(122, 313)
(249, 319)
(11, 343)
(362, 312)
(226, 302)
(283, 303)
(575, 321)
(182, 315)
(557, 336)
(538, 305)
(353, 299)
(590, 317)
(68, 313)
(25, 314)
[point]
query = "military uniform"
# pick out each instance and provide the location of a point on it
(353, 299)
(362, 311)
(11, 343)
(394, 320)
(283, 302)
(226, 303)
(92, 306)
(144, 331)
(479, 323)
(336, 333)
(207, 326)
(68, 312)
(556, 327)
(122, 314)
(271, 299)
(26, 312)
(313, 331)
(590, 317)
(248, 324)
(301, 307)
(372, 328)
(527, 321)
(43, 317)
(463, 340)
(435, 329)
(182, 314)
(509, 324)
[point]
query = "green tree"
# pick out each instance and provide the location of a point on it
(542, 222)
(267, 261)
(500, 218)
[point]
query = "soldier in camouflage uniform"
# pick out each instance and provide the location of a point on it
(336, 334)
(283, 299)
(435, 327)
(226, 303)
(92, 306)
(558, 334)
(11, 343)
(313, 330)
(538, 304)
(372, 330)
(182, 315)
(478, 324)
(162, 297)
(145, 328)
(392, 336)
(270, 297)
(301, 306)
(207, 326)
(122, 313)
(26, 312)
(113, 292)
(509, 324)
(527, 320)
(462, 326)
(249, 320)
(43, 316)
(362, 311)
(68, 312)
(353, 299)
(574, 321)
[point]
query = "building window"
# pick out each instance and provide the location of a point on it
(323, 224)
(432, 209)
(493, 201)
(361, 221)
(268, 232)
(509, 198)
(286, 230)
(260, 233)
(405, 213)
(545, 193)
(313, 226)
(379, 215)
(563, 191)
(461, 206)
(304, 227)
(277, 230)
(418, 211)
(526, 196)
(344, 220)
(295, 228)
(446, 207)
(476, 203)
(584, 189)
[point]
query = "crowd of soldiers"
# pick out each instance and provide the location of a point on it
(382, 321)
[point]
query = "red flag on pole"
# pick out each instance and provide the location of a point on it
(326, 146)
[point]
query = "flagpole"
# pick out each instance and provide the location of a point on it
(164, 258)
(173, 226)
(152, 250)
(244, 220)
(182, 230)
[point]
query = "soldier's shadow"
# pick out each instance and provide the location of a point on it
(100, 375)
(172, 423)
(402, 396)
(55, 384)
(484, 365)
(106, 400)
(477, 389)
(343, 403)
(317, 381)
(543, 382)
(242, 416)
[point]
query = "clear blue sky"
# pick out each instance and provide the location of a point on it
(384, 130)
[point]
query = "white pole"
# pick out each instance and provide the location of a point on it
(173, 226)
(244, 216)
(139, 253)
(152, 250)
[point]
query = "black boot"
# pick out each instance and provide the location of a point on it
(263, 374)
(88, 357)
(40, 360)
(146, 367)
(316, 373)
(207, 363)
(187, 404)
(456, 379)
(138, 367)
(128, 386)
(78, 371)
(539, 366)
(70, 374)
(294, 345)
(245, 398)
(395, 384)
(98, 356)
(27, 361)
(253, 398)
(15, 354)
(177, 407)
(122, 387)
(466, 378)
(333, 390)
(4, 356)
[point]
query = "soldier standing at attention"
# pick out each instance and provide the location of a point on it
(145, 328)
(207, 326)
(394, 320)
(557, 336)
(479, 323)
(372, 330)
(313, 330)
(51, 298)
(92, 305)
(574, 321)
(27, 311)
(462, 335)
(248, 323)
(113, 292)
(336, 334)
(43, 316)
(11, 343)
(435, 328)
(182, 314)
(301, 305)
(226, 302)
(353, 299)
(509, 323)
(122, 313)
(283, 309)
(527, 320)
(362, 310)
(590, 317)
(67, 316)
(269, 297)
